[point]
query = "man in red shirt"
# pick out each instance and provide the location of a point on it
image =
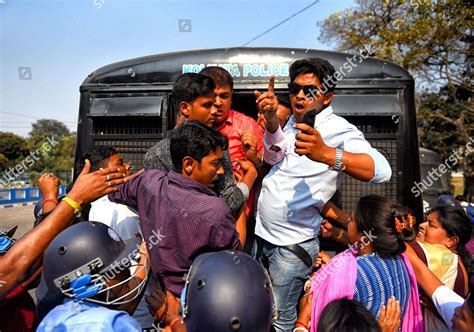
(244, 134)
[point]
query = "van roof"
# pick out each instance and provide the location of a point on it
(246, 65)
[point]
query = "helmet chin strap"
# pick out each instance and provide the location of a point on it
(89, 285)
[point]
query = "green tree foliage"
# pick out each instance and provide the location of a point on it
(434, 41)
(45, 133)
(44, 128)
(12, 148)
(445, 121)
(55, 131)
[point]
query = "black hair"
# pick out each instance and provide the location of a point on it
(220, 76)
(456, 223)
(190, 86)
(322, 69)
(98, 156)
(381, 216)
(195, 140)
(348, 316)
(284, 100)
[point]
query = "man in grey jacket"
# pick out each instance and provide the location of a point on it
(193, 99)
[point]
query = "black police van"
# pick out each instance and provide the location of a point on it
(438, 185)
(127, 105)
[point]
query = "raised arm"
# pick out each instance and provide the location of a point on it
(367, 165)
(17, 263)
(444, 299)
(267, 103)
(424, 277)
(128, 192)
(273, 140)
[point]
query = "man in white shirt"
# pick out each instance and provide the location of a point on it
(309, 163)
(121, 218)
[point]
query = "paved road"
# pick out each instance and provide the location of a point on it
(21, 216)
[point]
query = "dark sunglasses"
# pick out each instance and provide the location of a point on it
(309, 90)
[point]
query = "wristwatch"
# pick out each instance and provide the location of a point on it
(338, 164)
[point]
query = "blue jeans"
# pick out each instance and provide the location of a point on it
(288, 275)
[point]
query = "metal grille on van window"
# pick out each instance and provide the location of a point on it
(149, 125)
(130, 136)
(382, 134)
(132, 151)
(375, 124)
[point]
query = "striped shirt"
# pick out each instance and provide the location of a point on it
(380, 278)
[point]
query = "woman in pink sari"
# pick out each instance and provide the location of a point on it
(375, 267)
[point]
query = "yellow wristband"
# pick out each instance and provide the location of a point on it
(72, 203)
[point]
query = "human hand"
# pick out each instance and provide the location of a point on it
(164, 307)
(309, 143)
(327, 229)
(250, 143)
(267, 102)
(261, 120)
(304, 315)
(90, 186)
(131, 176)
(246, 165)
(237, 172)
(322, 259)
(389, 317)
(49, 185)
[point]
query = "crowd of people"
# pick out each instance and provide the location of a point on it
(220, 231)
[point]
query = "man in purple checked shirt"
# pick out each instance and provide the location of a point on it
(180, 215)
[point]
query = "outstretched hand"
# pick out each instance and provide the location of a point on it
(131, 176)
(267, 102)
(90, 186)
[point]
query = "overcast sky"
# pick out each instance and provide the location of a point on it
(48, 47)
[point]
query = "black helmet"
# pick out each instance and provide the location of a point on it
(446, 199)
(6, 239)
(38, 209)
(227, 291)
(82, 258)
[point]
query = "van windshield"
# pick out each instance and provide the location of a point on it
(440, 184)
